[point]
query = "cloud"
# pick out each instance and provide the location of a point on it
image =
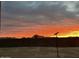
(37, 13)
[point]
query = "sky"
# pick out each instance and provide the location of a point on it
(27, 18)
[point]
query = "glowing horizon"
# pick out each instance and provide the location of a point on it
(71, 34)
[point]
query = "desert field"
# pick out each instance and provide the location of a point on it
(39, 52)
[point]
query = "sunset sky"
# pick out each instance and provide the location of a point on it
(26, 18)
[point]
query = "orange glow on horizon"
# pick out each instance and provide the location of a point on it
(47, 31)
(70, 34)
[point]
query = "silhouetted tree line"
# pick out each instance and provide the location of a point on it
(37, 40)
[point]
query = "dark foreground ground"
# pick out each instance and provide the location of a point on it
(40, 42)
(39, 47)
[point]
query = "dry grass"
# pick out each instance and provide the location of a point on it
(23, 52)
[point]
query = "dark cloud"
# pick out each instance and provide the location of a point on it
(32, 13)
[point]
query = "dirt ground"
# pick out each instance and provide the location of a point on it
(39, 52)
